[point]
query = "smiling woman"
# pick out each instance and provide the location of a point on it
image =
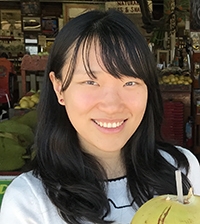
(100, 101)
(99, 153)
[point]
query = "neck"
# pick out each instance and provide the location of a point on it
(111, 161)
(113, 166)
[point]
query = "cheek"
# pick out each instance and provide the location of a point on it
(78, 102)
(142, 105)
(137, 109)
(138, 101)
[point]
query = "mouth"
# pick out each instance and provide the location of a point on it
(109, 124)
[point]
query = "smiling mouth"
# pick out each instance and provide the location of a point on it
(109, 124)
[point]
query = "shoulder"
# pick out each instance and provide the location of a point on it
(189, 155)
(26, 182)
(26, 177)
(22, 187)
(25, 192)
(194, 170)
(194, 167)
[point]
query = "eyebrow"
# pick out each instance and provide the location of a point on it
(84, 72)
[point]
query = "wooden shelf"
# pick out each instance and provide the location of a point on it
(196, 127)
(197, 119)
(175, 88)
(35, 64)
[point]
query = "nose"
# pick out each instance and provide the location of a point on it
(111, 101)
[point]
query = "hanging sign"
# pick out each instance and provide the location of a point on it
(127, 7)
(42, 40)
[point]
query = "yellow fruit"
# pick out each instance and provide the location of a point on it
(166, 209)
(173, 79)
(190, 80)
(24, 104)
(186, 83)
(180, 82)
(17, 107)
(31, 103)
(176, 78)
(25, 98)
(35, 98)
(167, 80)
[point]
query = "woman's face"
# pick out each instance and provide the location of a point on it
(104, 111)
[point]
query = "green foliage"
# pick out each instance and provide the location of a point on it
(29, 119)
(11, 153)
(16, 136)
(23, 132)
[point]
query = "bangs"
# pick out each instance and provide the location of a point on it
(119, 57)
(120, 51)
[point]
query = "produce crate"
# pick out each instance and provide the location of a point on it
(173, 124)
(33, 81)
(176, 88)
(17, 112)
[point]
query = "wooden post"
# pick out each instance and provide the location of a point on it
(172, 32)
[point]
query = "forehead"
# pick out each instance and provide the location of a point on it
(88, 56)
(93, 54)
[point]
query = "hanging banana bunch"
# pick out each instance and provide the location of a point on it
(157, 37)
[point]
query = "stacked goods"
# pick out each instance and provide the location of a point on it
(16, 137)
(29, 101)
(174, 76)
(175, 79)
(157, 37)
(173, 122)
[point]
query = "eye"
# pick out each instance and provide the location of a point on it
(130, 83)
(91, 82)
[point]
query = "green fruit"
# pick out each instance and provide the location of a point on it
(15, 140)
(29, 119)
(11, 154)
(166, 209)
(23, 132)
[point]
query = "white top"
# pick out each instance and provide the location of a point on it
(25, 201)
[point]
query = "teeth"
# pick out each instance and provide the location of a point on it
(109, 124)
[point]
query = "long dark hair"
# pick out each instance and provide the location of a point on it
(74, 180)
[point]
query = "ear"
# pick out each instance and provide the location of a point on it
(57, 86)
